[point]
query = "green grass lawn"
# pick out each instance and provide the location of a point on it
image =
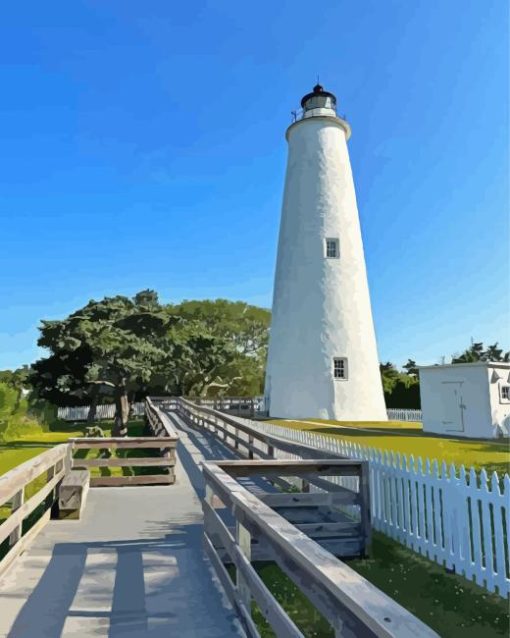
(30, 445)
(369, 425)
(27, 446)
(408, 438)
(448, 603)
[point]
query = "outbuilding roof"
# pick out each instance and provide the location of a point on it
(487, 364)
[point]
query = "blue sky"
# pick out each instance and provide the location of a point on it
(142, 146)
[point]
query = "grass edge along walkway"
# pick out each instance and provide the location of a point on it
(449, 604)
(25, 447)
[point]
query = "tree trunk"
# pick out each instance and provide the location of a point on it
(121, 411)
(91, 416)
(131, 399)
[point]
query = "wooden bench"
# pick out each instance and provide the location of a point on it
(72, 494)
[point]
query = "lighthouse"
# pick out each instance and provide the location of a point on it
(322, 359)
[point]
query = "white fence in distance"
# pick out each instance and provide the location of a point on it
(397, 414)
(104, 411)
(459, 519)
(107, 411)
(394, 414)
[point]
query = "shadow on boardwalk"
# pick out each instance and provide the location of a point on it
(132, 598)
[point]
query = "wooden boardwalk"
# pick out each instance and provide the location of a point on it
(132, 567)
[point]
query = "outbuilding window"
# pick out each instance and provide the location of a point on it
(505, 392)
(332, 248)
(340, 368)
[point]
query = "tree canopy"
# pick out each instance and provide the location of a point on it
(225, 347)
(128, 347)
(476, 352)
(401, 389)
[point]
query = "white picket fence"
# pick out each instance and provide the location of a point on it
(397, 414)
(457, 518)
(104, 411)
(107, 411)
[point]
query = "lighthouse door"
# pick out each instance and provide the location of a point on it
(452, 406)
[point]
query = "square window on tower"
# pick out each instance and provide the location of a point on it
(332, 248)
(340, 368)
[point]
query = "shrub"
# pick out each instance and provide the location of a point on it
(19, 416)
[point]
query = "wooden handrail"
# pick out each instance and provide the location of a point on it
(158, 420)
(349, 602)
(17, 517)
(217, 422)
(165, 439)
(123, 442)
(55, 462)
(17, 478)
(300, 449)
(167, 460)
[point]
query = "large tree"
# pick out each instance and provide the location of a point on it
(129, 347)
(223, 347)
(111, 344)
(246, 327)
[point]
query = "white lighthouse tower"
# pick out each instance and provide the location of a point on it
(322, 359)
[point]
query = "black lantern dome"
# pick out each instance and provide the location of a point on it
(318, 99)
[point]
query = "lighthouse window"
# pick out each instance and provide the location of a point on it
(332, 248)
(340, 368)
(505, 392)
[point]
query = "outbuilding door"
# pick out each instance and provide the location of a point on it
(451, 399)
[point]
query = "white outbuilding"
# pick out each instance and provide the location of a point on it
(469, 400)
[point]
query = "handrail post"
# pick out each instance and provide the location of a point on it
(364, 492)
(17, 501)
(68, 459)
(243, 540)
(50, 473)
(166, 453)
